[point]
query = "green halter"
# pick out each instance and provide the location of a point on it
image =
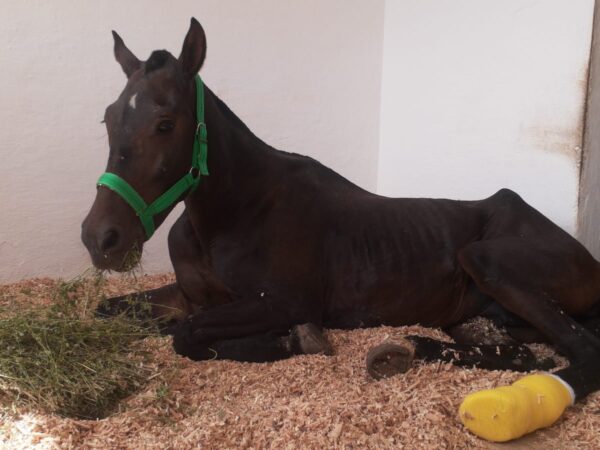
(189, 181)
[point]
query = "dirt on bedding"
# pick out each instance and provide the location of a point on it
(306, 402)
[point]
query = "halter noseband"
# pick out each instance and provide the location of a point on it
(189, 181)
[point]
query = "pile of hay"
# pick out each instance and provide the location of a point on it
(58, 358)
(305, 402)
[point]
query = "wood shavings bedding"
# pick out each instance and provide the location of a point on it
(306, 402)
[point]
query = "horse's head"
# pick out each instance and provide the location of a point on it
(151, 132)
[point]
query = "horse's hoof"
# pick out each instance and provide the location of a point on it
(389, 359)
(311, 340)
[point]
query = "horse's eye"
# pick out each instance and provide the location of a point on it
(165, 126)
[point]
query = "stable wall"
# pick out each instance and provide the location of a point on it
(483, 94)
(460, 97)
(589, 197)
(304, 75)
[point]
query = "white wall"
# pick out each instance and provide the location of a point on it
(483, 94)
(304, 75)
(475, 95)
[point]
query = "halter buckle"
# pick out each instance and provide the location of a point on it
(198, 127)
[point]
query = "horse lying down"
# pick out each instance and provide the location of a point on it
(273, 241)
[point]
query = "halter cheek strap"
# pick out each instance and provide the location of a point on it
(189, 182)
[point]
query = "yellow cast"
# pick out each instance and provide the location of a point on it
(509, 412)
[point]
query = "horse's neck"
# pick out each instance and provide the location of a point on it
(240, 167)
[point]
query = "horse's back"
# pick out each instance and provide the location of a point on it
(394, 261)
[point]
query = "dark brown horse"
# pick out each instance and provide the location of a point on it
(273, 240)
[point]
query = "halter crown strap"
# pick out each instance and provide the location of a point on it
(189, 182)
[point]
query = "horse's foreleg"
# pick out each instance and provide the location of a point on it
(304, 339)
(167, 305)
(196, 287)
(237, 319)
(246, 318)
(193, 270)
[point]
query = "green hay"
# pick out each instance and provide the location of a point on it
(62, 360)
(132, 260)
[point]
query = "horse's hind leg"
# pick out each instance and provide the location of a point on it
(538, 287)
(481, 342)
(508, 329)
(393, 358)
(495, 325)
(484, 356)
(541, 282)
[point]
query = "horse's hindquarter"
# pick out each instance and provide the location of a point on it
(394, 261)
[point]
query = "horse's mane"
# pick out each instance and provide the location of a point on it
(229, 114)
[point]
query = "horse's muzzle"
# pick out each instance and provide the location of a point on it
(112, 242)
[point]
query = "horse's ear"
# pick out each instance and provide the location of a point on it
(123, 55)
(194, 49)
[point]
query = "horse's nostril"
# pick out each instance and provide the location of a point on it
(109, 240)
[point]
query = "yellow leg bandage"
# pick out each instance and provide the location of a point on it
(509, 412)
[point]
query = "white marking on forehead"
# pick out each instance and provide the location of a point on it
(132, 101)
